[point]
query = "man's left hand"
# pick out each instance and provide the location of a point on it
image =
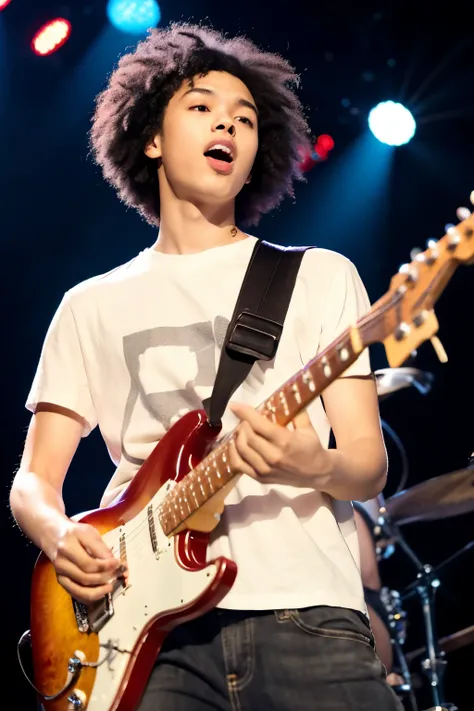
(272, 453)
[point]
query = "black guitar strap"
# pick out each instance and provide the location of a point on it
(256, 326)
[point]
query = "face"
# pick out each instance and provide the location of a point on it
(208, 111)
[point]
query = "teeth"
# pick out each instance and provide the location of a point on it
(219, 146)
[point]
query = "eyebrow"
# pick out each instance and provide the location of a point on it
(209, 92)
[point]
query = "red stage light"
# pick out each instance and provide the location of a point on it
(326, 142)
(51, 36)
(310, 155)
(3, 4)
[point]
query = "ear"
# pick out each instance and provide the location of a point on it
(153, 149)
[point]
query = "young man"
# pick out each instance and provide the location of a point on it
(199, 132)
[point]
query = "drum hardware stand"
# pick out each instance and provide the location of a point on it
(406, 688)
(425, 587)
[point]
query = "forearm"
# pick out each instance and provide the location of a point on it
(38, 509)
(357, 472)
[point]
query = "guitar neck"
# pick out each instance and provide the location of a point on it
(214, 472)
(402, 318)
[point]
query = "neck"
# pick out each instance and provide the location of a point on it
(187, 227)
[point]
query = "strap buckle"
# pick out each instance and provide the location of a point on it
(255, 336)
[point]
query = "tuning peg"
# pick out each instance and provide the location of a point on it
(439, 349)
(432, 255)
(462, 213)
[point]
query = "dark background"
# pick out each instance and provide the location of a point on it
(60, 223)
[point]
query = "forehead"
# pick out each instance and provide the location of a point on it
(221, 83)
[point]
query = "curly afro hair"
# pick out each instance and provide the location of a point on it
(130, 111)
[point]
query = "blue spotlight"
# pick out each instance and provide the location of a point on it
(392, 123)
(133, 16)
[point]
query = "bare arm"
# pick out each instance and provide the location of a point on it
(83, 562)
(358, 467)
(36, 494)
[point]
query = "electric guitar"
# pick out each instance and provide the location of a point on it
(99, 657)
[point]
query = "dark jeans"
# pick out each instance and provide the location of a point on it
(314, 659)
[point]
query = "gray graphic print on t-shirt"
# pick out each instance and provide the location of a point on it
(200, 340)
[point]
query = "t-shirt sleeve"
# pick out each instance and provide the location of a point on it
(61, 377)
(345, 303)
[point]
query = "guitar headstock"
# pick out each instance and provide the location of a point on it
(404, 317)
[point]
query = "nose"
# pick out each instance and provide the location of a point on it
(226, 125)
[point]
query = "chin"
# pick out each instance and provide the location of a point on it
(214, 192)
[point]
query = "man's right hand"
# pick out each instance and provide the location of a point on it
(85, 566)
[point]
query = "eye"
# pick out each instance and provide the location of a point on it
(199, 107)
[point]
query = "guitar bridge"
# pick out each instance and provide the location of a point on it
(93, 617)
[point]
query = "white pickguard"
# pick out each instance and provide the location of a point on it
(157, 584)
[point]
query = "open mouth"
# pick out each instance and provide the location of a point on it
(219, 154)
(220, 158)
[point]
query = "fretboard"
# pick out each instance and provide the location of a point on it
(214, 472)
(403, 309)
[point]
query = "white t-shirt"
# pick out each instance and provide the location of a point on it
(134, 349)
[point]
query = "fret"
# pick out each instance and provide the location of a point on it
(343, 352)
(209, 481)
(180, 506)
(227, 473)
(224, 471)
(216, 466)
(184, 499)
(270, 409)
(296, 392)
(199, 481)
(307, 379)
(174, 517)
(186, 491)
(327, 370)
(283, 402)
(269, 405)
(193, 494)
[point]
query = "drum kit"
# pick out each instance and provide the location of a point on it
(438, 498)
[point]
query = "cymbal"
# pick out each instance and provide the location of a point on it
(441, 497)
(389, 380)
(452, 642)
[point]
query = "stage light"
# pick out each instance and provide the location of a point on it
(3, 4)
(312, 154)
(133, 16)
(392, 123)
(323, 145)
(51, 36)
